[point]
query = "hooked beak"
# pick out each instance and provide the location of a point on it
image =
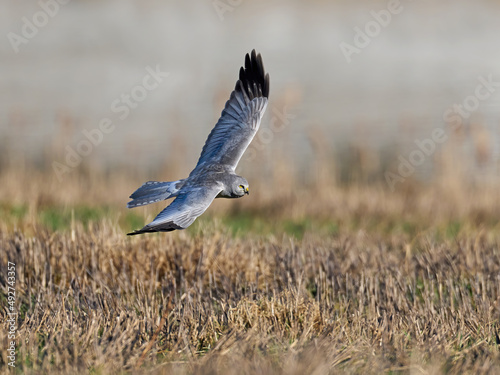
(247, 192)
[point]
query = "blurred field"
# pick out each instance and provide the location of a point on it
(325, 268)
(332, 275)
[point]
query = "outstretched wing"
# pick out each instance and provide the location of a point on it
(240, 118)
(183, 211)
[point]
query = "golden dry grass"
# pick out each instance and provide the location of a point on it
(91, 300)
(324, 277)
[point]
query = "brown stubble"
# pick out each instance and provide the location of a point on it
(351, 303)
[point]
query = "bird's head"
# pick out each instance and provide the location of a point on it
(240, 187)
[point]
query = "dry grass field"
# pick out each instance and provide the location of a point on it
(325, 277)
(327, 267)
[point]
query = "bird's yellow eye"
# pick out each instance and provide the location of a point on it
(242, 187)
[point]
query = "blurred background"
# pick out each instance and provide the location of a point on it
(369, 242)
(335, 118)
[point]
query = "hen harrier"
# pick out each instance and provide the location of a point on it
(213, 177)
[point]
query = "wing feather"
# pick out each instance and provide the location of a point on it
(240, 119)
(183, 211)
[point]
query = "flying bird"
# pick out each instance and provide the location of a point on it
(214, 175)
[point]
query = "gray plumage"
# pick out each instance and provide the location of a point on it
(214, 175)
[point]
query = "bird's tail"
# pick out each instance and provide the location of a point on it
(154, 191)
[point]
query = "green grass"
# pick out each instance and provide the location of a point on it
(59, 218)
(241, 224)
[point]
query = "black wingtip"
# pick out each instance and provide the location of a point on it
(253, 79)
(166, 227)
(146, 229)
(141, 231)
